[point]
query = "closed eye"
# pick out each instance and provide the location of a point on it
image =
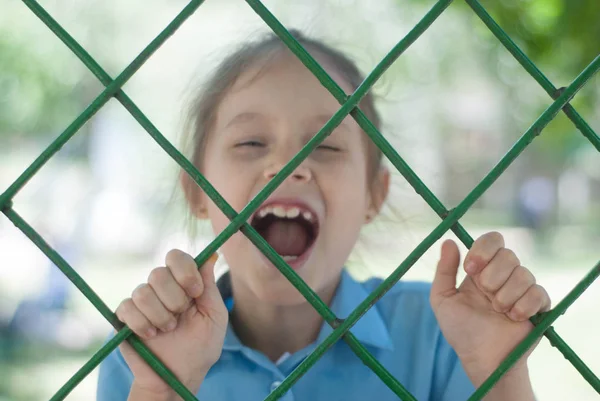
(252, 144)
(329, 148)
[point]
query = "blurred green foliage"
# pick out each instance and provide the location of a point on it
(561, 37)
(563, 34)
(34, 99)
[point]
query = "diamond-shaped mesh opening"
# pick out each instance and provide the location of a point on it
(449, 217)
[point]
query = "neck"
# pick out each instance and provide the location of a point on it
(276, 329)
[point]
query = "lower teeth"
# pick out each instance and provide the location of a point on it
(288, 258)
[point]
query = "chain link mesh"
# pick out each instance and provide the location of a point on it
(449, 217)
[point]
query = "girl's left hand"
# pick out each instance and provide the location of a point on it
(487, 316)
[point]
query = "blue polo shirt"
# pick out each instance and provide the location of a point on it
(400, 331)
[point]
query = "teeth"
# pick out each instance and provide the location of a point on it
(289, 258)
(279, 211)
(293, 213)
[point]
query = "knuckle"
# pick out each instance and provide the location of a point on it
(518, 312)
(189, 279)
(493, 237)
(128, 313)
(180, 306)
(168, 323)
(164, 321)
(532, 279)
(488, 284)
(124, 309)
(175, 257)
(544, 293)
(183, 268)
(539, 294)
(159, 319)
(139, 327)
(525, 276)
(141, 294)
(501, 304)
(509, 256)
(488, 281)
(157, 275)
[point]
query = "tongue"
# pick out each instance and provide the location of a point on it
(287, 237)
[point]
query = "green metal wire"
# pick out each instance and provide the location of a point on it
(389, 151)
(112, 87)
(99, 101)
(547, 320)
(585, 129)
(87, 291)
(105, 79)
(238, 221)
(90, 365)
(437, 233)
(531, 68)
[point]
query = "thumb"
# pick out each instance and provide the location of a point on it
(210, 295)
(444, 282)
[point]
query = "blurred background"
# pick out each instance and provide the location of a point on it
(452, 105)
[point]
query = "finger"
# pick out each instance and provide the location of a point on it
(535, 300)
(146, 300)
(130, 315)
(185, 271)
(520, 280)
(482, 252)
(497, 272)
(444, 282)
(207, 272)
(211, 301)
(169, 292)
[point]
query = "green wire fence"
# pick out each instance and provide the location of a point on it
(449, 217)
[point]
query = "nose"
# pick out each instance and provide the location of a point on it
(301, 174)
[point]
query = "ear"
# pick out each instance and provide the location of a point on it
(193, 195)
(378, 193)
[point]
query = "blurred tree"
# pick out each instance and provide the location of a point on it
(43, 86)
(561, 37)
(34, 101)
(563, 34)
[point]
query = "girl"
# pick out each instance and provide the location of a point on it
(257, 111)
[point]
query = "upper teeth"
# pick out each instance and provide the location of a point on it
(282, 212)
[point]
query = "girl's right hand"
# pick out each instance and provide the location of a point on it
(181, 317)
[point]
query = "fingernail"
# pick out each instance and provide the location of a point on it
(171, 326)
(213, 258)
(471, 267)
(151, 332)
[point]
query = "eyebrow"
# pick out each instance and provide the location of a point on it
(249, 116)
(322, 119)
(243, 118)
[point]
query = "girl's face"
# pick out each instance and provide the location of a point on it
(314, 217)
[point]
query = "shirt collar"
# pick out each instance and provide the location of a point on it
(370, 329)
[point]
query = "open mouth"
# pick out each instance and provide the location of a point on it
(291, 230)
